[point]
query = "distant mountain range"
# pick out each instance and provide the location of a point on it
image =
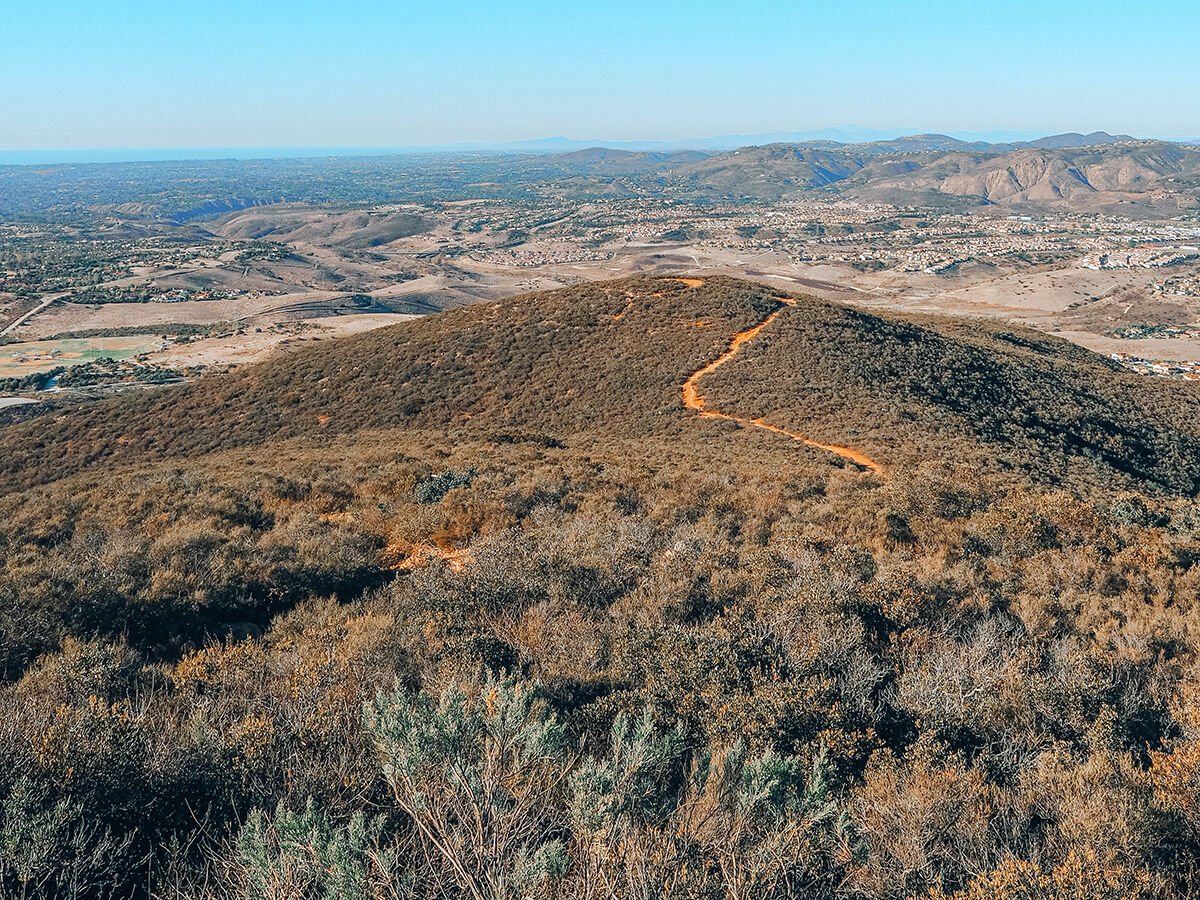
(842, 135)
(863, 141)
(846, 135)
(1087, 172)
(1097, 172)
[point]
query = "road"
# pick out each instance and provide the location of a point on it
(46, 302)
(123, 281)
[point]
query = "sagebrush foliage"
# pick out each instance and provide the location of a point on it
(664, 658)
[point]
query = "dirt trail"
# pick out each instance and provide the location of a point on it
(629, 300)
(693, 399)
(423, 554)
(46, 303)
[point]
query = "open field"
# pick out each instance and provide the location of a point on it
(27, 358)
(255, 345)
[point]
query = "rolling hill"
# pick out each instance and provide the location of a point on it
(609, 161)
(608, 362)
(350, 230)
(1082, 178)
(769, 172)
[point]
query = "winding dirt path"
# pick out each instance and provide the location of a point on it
(694, 399)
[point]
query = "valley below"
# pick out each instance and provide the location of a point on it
(224, 284)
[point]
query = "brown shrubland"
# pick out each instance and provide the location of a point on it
(654, 656)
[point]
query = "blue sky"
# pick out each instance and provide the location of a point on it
(131, 73)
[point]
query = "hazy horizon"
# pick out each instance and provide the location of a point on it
(842, 134)
(367, 74)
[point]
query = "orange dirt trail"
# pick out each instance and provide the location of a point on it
(693, 399)
(423, 554)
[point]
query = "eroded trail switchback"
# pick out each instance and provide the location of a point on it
(694, 399)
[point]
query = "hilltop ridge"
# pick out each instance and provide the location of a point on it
(608, 361)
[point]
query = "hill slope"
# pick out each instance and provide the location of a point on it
(610, 361)
(1085, 177)
(769, 172)
(1080, 172)
(708, 540)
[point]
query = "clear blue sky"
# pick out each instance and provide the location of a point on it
(170, 73)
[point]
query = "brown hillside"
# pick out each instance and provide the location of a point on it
(610, 361)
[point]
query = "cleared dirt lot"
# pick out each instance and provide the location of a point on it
(66, 317)
(253, 346)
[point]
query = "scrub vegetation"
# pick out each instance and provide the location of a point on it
(476, 607)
